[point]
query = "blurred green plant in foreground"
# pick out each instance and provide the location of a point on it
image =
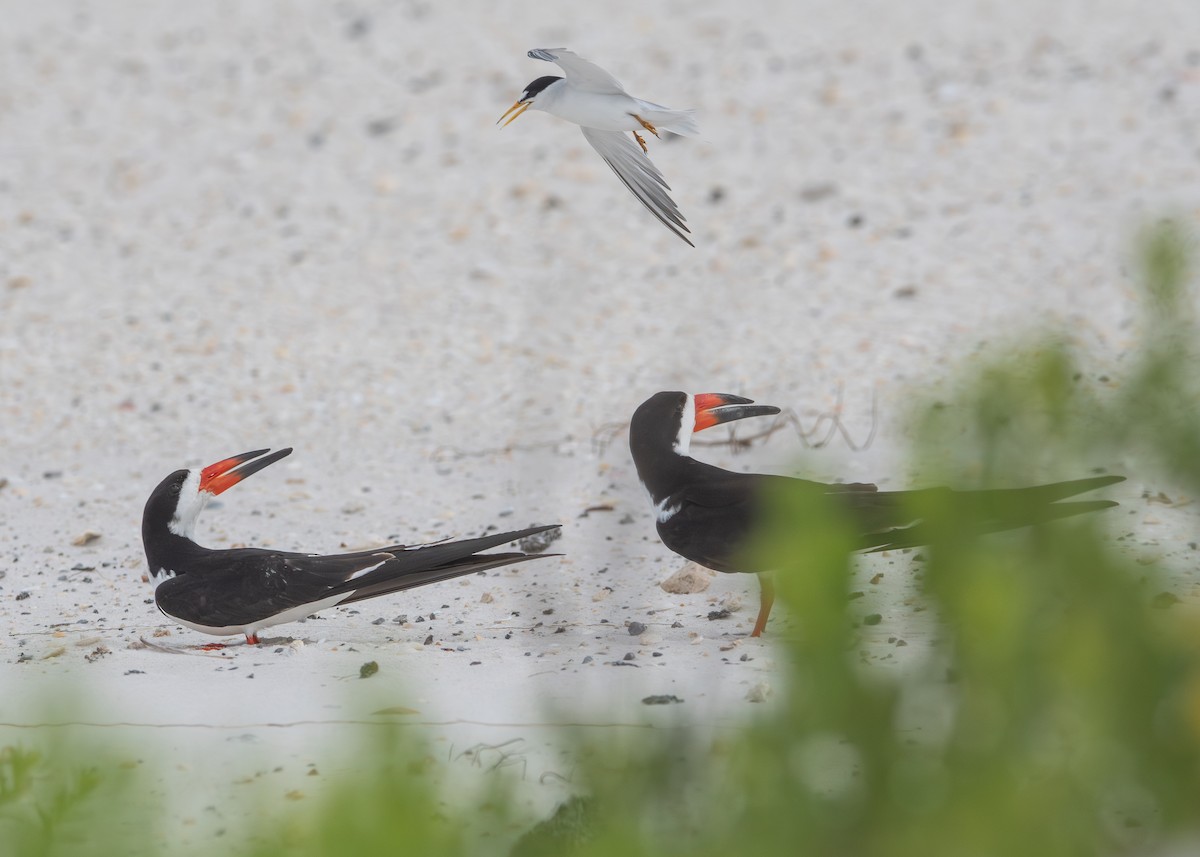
(1057, 712)
(49, 805)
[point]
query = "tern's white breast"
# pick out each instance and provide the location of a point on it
(604, 110)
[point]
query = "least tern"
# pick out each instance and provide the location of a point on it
(595, 100)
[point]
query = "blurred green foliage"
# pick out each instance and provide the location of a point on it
(1057, 712)
(387, 808)
(51, 804)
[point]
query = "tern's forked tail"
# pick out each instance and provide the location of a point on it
(681, 122)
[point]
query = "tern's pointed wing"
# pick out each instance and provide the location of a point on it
(581, 74)
(638, 173)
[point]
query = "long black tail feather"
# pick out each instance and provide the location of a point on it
(418, 566)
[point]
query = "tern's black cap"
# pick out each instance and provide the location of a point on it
(538, 85)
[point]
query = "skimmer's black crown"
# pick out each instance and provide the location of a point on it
(538, 85)
(163, 502)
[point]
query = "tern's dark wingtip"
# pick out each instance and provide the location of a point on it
(676, 228)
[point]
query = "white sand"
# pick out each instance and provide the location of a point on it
(205, 248)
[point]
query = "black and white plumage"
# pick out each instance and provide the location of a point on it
(244, 590)
(595, 100)
(710, 515)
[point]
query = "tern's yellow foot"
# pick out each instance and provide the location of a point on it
(645, 124)
(641, 142)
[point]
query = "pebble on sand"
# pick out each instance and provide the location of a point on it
(689, 579)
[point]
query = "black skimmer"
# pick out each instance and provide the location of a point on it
(709, 515)
(243, 590)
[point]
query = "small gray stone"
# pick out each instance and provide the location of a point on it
(538, 542)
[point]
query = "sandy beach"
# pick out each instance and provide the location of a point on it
(229, 226)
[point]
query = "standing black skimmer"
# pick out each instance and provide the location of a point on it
(243, 590)
(710, 515)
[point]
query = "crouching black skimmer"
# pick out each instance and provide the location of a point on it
(710, 515)
(243, 590)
